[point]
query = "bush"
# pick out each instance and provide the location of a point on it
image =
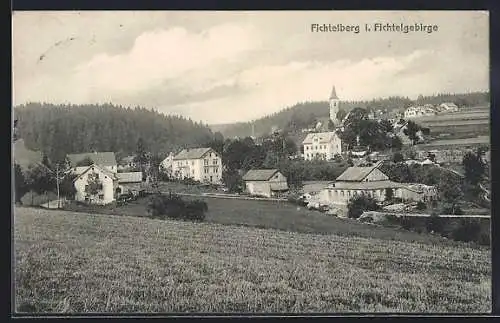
(359, 204)
(172, 206)
(467, 230)
(435, 223)
(421, 206)
(449, 209)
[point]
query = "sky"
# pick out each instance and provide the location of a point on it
(223, 67)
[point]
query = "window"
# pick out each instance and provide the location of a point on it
(96, 175)
(101, 196)
(206, 170)
(192, 163)
(216, 170)
(215, 161)
(205, 162)
(86, 187)
(307, 148)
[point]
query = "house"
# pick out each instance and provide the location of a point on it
(200, 164)
(399, 131)
(322, 145)
(99, 176)
(103, 159)
(166, 165)
(449, 107)
(265, 182)
(420, 111)
(372, 182)
(127, 163)
(128, 181)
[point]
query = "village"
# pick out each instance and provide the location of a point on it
(176, 162)
(100, 179)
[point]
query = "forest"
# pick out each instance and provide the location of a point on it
(306, 112)
(56, 130)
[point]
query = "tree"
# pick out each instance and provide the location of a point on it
(389, 194)
(331, 125)
(232, 180)
(341, 114)
(411, 131)
(386, 126)
(94, 186)
(67, 186)
(450, 192)
(397, 157)
(474, 167)
(396, 143)
(20, 184)
(141, 157)
(360, 203)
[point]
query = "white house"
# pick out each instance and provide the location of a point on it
(103, 159)
(322, 145)
(449, 107)
(420, 111)
(199, 164)
(105, 180)
(167, 164)
(265, 182)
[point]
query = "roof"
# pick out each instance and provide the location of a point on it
(333, 94)
(378, 185)
(102, 169)
(356, 174)
(192, 153)
(131, 177)
(324, 137)
(100, 158)
(259, 174)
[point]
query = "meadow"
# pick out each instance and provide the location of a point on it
(75, 262)
(282, 216)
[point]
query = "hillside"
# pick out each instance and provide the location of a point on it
(61, 129)
(305, 112)
(73, 262)
(24, 156)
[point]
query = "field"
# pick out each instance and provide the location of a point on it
(280, 216)
(75, 262)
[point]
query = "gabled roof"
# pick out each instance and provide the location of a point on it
(259, 174)
(357, 174)
(130, 177)
(192, 153)
(333, 94)
(100, 158)
(324, 137)
(102, 169)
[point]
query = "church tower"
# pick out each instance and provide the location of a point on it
(334, 107)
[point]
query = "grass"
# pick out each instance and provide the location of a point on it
(72, 262)
(277, 215)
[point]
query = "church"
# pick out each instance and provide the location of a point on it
(325, 145)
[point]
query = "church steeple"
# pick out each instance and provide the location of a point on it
(333, 95)
(334, 107)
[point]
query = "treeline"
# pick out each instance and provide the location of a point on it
(57, 130)
(305, 112)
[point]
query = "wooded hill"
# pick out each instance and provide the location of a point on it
(57, 130)
(306, 112)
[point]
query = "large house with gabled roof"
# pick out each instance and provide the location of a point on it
(371, 181)
(199, 164)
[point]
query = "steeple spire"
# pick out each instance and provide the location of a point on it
(333, 95)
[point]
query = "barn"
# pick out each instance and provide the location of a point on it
(265, 182)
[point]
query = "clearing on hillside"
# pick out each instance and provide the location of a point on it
(76, 262)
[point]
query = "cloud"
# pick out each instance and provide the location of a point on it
(268, 89)
(161, 55)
